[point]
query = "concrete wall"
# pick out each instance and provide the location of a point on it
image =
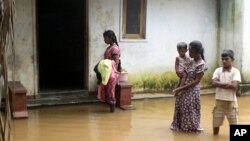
(25, 59)
(168, 22)
(246, 42)
(230, 24)
(235, 33)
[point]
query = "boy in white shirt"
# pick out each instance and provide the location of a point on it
(226, 80)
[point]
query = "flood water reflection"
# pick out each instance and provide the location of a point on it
(93, 122)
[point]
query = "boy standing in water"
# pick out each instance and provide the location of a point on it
(226, 80)
(181, 62)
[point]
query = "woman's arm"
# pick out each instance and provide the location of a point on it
(197, 80)
(116, 57)
(176, 63)
(115, 54)
(176, 66)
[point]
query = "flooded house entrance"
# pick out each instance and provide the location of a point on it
(62, 45)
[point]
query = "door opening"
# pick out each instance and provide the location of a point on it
(62, 50)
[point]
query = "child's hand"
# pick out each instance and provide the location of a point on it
(176, 91)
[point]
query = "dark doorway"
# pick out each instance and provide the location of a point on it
(62, 50)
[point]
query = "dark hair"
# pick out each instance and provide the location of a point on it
(181, 45)
(111, 35)
(227, 52)
(198, 48)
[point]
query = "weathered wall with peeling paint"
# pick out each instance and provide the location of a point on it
(24, 46)
(230, 25)
(234, 30)
(246, 42)
(168, 22)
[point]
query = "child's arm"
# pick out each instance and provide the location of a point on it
(176, 63)
(176, 66)
(228, 85)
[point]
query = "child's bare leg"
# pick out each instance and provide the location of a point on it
(178, 85)
(181, 81)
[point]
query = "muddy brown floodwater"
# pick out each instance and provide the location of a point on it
(93, 122)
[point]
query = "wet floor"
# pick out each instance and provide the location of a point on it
(93, 122)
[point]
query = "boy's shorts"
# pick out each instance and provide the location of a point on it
(225, 108)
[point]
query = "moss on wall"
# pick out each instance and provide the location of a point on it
(153, 82)
(166, 81)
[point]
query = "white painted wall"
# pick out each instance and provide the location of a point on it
(168, 22)
(246, 42)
